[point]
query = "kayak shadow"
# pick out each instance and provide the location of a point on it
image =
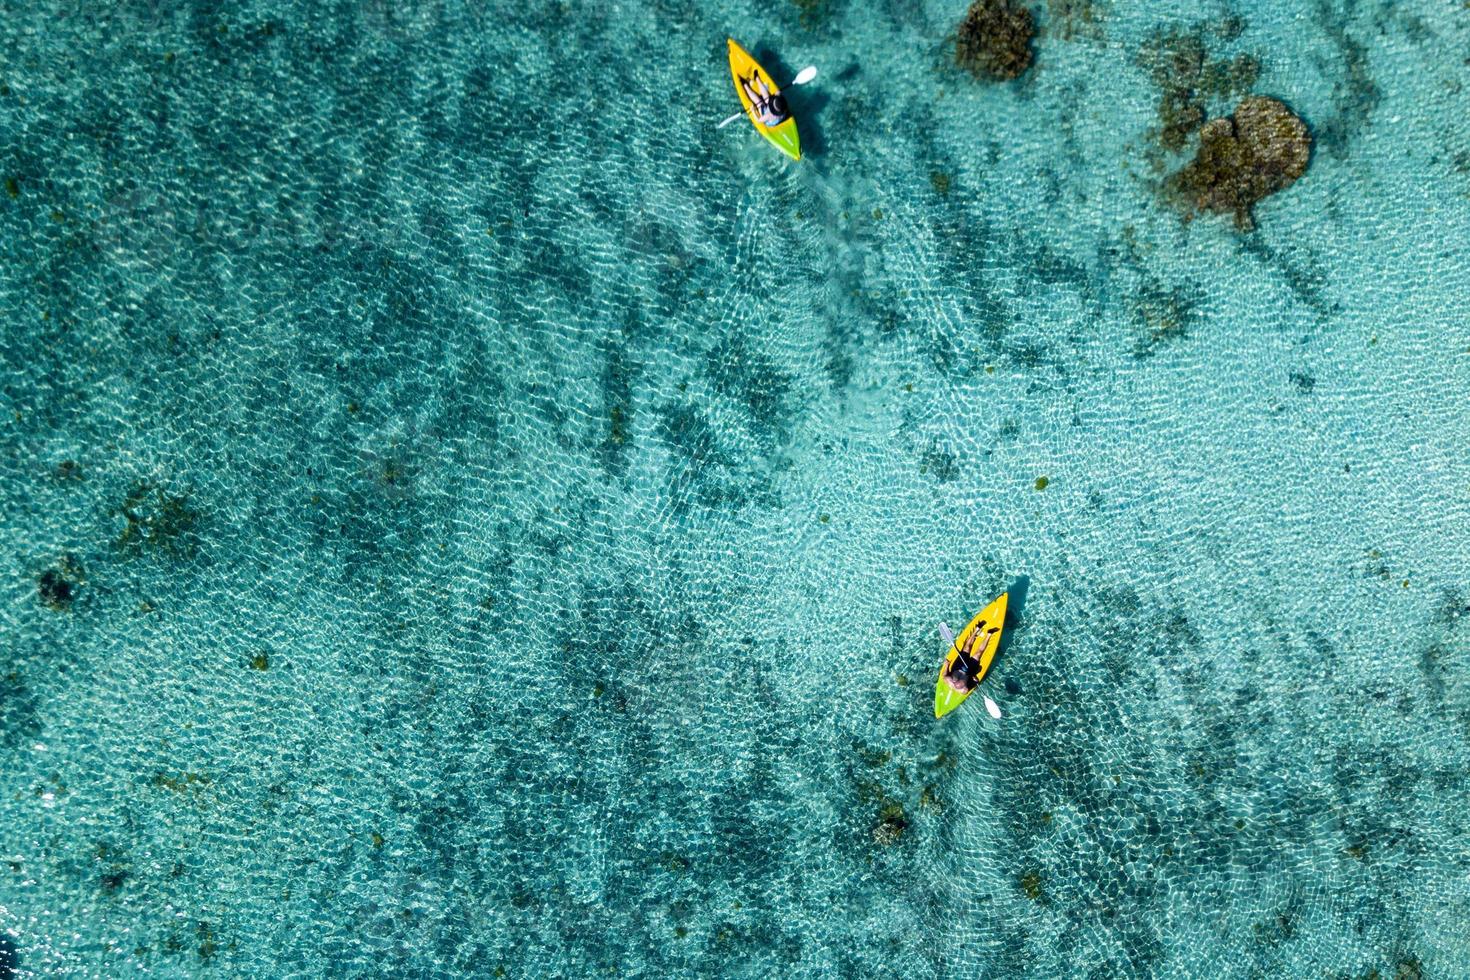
(806, 110)
(805, 103)
(1015, 607)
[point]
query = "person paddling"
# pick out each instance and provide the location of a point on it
(770, 107)
(963, 672)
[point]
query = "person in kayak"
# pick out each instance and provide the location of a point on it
(963, 672)
(770, 107)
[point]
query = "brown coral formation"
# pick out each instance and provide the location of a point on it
(1187, 78)
(1261, 149)
(994, 40)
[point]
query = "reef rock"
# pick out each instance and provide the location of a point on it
(1189, 79)
(1261, 149)
(58, 587)
(994, 40)
(891, 824)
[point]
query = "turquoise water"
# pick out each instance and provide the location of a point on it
(462, 512)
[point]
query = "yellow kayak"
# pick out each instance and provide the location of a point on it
(992, 617)
(764, 104)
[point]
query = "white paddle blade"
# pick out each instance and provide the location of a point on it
(727, 122)
(991, 707)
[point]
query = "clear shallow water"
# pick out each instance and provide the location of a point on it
(498, 539)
